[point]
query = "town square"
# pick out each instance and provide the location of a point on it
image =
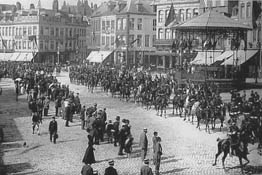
(126, 87)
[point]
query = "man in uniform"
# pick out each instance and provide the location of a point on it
(111, 170)
(233, 133)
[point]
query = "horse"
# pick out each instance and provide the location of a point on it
(219, 112)
(161, 104)
(223, 145)
(194, 109)
(203, 114)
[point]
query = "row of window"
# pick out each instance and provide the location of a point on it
(134, 24)
(18, 31)
(182, 14)
(139, 41)
(245, 10)
(166, 34)
(61, 32)
(51, 45)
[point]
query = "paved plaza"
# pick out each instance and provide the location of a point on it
(186, 150)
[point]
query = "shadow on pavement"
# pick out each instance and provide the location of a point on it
(10, 110)
(176, 170)
(30, 149)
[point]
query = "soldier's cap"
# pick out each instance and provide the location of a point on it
(145, 129)
(146, 161)
(111, 162)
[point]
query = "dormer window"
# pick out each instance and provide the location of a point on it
(235, 11)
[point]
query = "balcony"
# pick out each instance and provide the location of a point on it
(163, 42)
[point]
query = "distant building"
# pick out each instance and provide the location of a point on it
(43, 35)
(131, 41)
(81, 8)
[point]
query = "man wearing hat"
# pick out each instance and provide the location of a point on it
(87, 170)
(145, 169)
(53, 130)
(143, 144)
(110, 170)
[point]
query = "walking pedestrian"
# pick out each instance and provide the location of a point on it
(145, 169)
(87, 170)
(111, 170)
(46, 105)
(116, 130)
(157, 155)
(128, 145)
(154, 140)
(89, 156)
(36, 121)
(82, 117)
(122, 140)
(143, 144)
(53, 130)
(109, 131)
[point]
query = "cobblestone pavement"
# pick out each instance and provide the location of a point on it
(186, 150)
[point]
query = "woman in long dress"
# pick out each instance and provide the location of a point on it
(89, 156)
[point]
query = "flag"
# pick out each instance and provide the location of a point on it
(171, 15)
(132, 42)
(32, 38)
(256, 12)
(94, 36)
(4, 42)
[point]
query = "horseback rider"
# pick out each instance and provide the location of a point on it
(233, 136)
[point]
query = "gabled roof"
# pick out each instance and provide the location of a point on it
(131, 7)
(211, 19)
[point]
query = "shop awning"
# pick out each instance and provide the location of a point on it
(16, 56)
(239, 57)
(26, 57)
(206, 57)
(221, 58)
(98, 56)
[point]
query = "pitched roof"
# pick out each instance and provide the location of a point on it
(131, 7)
(211, 19)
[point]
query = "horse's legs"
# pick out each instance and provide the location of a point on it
(192, 118)
(217, 154)
(221, 125)
(224, 158)
(241, 163)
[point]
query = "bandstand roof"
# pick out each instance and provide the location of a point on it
(212, 20)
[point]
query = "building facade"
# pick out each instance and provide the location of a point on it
(50, 35)
(129, 41)
(184, 10)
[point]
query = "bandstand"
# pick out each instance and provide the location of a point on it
(220, 46)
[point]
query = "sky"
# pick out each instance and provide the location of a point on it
(46, 3)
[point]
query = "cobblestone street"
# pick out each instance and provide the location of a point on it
(186, 150)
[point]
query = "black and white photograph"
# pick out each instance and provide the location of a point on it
(130, 87)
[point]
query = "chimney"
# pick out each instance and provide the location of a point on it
(32, 6)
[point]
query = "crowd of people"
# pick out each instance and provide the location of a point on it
(42, 89)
